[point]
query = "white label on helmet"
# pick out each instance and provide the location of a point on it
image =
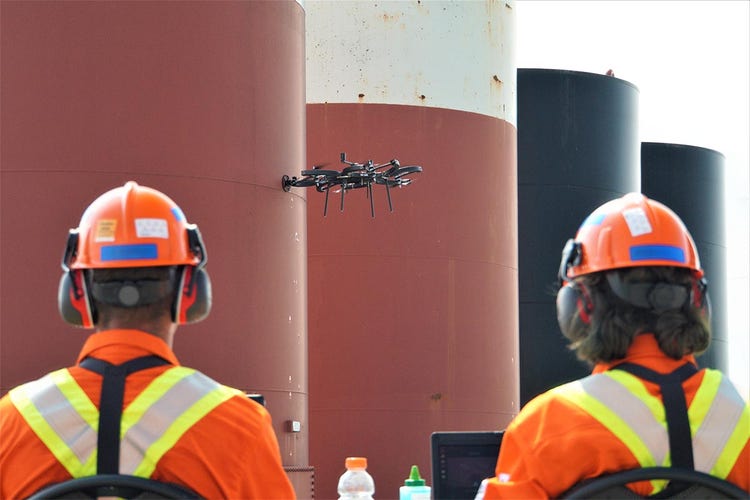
(151, 228)
(637, 221)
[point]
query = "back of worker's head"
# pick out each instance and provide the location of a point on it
(134, 255)
(632, 268)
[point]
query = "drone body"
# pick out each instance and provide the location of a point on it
(354, 176)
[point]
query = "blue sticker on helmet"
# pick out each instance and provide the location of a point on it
(594, 219)
(178, 214)
(129, 252)
(657, 252)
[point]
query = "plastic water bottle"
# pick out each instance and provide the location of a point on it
(356, 482)
(414, 487)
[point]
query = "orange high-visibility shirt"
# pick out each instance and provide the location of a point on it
(231, 452)
(553, 444)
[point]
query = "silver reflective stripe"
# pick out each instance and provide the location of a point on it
(633, 411)
(159, 416)
(62, 417)
(717, 427)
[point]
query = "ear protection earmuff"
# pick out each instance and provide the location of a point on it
(699, 298)
(574, 302)
(191, 288)
(574, 307)
(192, 301)
(73, 300)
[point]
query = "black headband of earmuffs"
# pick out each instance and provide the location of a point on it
(134, 293)
(658, 296)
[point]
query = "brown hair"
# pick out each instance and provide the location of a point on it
(615, 323)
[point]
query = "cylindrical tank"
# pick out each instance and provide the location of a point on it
(690, 180)
(577, 148)
(412, 313)
(202, 100)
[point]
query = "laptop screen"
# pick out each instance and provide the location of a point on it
(461, 460)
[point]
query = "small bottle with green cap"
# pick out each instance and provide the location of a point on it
(414, 487)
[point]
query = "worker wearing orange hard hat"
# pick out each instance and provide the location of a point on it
(134, 270)
(633, 302)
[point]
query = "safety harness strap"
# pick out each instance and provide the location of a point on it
(676, 412)
(110, 406)
(675, 408)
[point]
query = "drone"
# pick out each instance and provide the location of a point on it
(354, 176)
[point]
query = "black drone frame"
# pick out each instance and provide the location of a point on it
(354, 176)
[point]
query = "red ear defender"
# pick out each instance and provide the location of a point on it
(73, 300)
(573, 304)
(699, 298)
(193, 292)
(193, 296)
(573, 299)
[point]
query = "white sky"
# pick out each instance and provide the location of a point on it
(689, 59)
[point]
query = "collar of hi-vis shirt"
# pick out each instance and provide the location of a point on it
(118, 346)
(645, 351)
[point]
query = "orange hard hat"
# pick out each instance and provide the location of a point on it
(630, 231)
(133, 226)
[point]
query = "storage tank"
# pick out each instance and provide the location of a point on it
(412, 313)
(578, 147)
(690, 180)
(202, 100)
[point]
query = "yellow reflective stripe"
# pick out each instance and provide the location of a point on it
(156, 419)
(576, 394)
(734, 445)
(155, 390)
(706, 449)
(77, 397)
(612, 393)
(720, 424)
(149, 416)
(736, 441)
(23, 399)
(703, 397)
(636, 387)
(652, 430)
(186, 420)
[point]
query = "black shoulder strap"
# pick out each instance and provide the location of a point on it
(110, 406)
(675, 407)
(678, 423)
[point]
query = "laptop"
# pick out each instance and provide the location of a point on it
(461, 460)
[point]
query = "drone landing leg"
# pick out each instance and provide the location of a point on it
(343, 190)
(325, 207)
(372, 202)
(388, 193)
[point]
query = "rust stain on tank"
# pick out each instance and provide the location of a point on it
(391, 18)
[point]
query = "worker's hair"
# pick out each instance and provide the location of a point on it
(143, 313)
(615, 323)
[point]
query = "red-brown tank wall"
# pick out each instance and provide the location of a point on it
(412, 314)
(203, 100)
